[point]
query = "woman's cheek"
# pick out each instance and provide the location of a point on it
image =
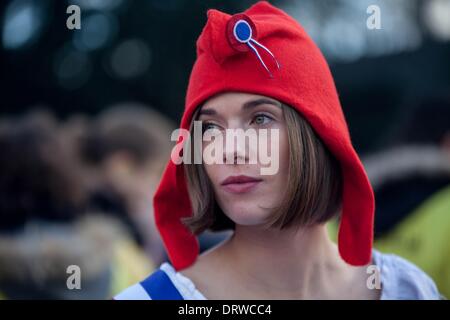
(277, 149)
(211, 172)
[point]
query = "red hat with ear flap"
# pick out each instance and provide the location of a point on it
(264, 51)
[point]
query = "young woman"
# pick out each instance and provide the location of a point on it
(260, 70)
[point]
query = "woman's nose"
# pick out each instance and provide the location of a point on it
(235, 151)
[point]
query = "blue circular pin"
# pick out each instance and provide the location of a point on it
(242, 31)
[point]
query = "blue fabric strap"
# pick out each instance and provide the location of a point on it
(159, 287)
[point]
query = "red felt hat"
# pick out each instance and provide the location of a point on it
(226, 62)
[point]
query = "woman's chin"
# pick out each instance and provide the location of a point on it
(247, 216)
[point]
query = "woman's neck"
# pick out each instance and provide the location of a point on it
(287, 263)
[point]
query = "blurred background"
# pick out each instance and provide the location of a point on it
(86, 117)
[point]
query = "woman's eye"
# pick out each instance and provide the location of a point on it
(261, 119)
(209, 126)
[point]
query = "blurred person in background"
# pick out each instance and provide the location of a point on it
(124, 152)
(42, 231)
(411, 181)
(44, 224)
(412, 187)
(131, 261)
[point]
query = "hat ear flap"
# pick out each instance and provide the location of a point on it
(355, 236)
(170, 205)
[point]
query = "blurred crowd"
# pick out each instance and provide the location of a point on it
(78, 191)
(411, 180)
(410, 176)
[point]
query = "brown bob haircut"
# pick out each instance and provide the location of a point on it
(313, 195)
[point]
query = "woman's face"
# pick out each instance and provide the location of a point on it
(242, 189)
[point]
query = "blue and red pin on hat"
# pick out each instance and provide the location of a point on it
(241, 35)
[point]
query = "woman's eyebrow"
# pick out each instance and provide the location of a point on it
(208, 112)
(253, 103)
(248, 105)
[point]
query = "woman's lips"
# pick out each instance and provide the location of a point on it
(240, 184)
